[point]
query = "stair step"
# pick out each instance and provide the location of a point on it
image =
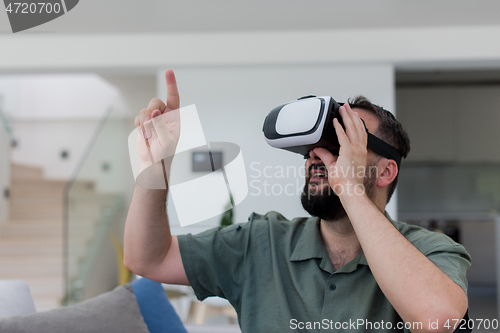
(27, 210)
(36, 204)
(37, 186)
(82, 186)
(30, 240)
(21, 272)
(33, 264)
(39, 181)
(30, 190)
(39, 198)
(34, 258)
(30, 215)
(9, 230)
(37, 221)
(25, 171)
(22, 249)
(41, 194)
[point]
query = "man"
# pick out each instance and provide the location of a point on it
(349, 267)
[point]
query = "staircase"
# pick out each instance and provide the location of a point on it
(31, 242)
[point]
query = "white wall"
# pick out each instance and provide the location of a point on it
(57, 96)
(51, 113)
(232, 103)
(41, 141)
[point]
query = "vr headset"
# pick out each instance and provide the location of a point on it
(306, 123)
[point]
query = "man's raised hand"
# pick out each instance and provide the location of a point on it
(159, 130)
(346, 171)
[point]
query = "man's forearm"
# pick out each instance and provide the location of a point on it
(147, 232)
(417, 289)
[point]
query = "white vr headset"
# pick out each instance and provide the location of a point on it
(306, 123)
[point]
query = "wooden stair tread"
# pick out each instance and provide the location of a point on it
(25, 171)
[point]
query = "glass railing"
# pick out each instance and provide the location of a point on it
(5, 123)
(95, 211)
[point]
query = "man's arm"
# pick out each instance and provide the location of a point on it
(417, 289)
(149, 248)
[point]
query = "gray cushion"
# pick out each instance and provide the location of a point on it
(115, 311)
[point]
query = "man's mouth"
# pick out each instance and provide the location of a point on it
(317, 173)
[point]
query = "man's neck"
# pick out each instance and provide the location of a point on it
(340, 241)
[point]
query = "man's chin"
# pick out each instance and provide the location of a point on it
(321, 201)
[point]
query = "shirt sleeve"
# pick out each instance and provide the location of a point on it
(453, 260)
(214, 261)
(449, 256)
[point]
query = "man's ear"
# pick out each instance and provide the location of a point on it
(388, 170)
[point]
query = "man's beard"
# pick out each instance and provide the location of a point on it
(323, 202)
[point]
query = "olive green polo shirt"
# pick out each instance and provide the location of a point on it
(278, 276)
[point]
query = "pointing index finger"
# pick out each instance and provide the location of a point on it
(172, 92)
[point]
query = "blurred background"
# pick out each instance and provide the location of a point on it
(70, 88)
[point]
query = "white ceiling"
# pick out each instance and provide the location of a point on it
(135, 16)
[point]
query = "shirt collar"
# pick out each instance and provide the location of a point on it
(310, 245)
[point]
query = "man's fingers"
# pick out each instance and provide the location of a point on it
(143, 115)
(155, 113)
(347, 117)
(149, 129)
(150, 123)
(358, 124)
(165, 137)
(325, 156)
(341, 135)
(361, 128)
(173, 100)
(156, 104)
